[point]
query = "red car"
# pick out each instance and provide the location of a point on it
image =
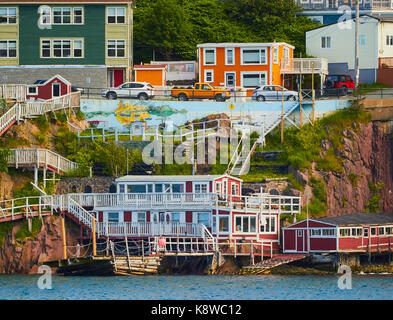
(344, 82)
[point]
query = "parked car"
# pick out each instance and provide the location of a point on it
(200, 91)
(341, 84)
(273, 93)
(140, 90)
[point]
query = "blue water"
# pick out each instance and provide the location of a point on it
(270, 287)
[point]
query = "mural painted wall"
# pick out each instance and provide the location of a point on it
(121, 114)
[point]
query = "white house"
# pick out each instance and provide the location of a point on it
(336, 42)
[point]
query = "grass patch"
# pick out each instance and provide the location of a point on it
(23, 234)
(42, 123)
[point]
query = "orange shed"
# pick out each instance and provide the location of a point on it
(153, 74)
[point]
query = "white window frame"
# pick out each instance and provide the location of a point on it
(204, 57)
(254, 72)
(260, 57)
(118, 216)
(8, 16)
(212, 76)
(326, 42)
(48, 15)
(226, 56)
(73, 15)
(274, 217)
(116, 49)
(116, 15)
(389, 40)
(321, 235)
(62, 15)
(32, 94)
(275, 55)
(201, 184)
(222, 216)
(209, 218)
(8, 49)
(242, 216)
(218, 187)
(72, 48)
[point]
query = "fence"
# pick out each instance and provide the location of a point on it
(13, 91)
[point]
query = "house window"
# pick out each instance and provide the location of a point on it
(8, 49)
(141, 217)
(113, 217)
(209, 56)
(201, 188)
(209, 76)
(46, 16)
(356, 232)
(253, 56)
(61, 15)
(218, 187)
(45, 48)
(61, 48)
(389, 40)
(32, 90)
(204, 218)
(175, 217)
(275, 55)
(389, 230)
(116, 48)
(77, 48)
(8, 15)
(122, 188)
(245, 224)
(230, 56)
(373, 231)
(223, 223)
(269, 226)
(365, 232)
(328, 232)
(235, 189)
(381, 231)
(325, 42)
(136, 188)
(253, 80)
(77, 15)
(345, 232)
(116, 15)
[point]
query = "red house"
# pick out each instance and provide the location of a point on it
(360, 232)
(47, 89)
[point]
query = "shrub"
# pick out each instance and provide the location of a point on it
(3, 160)
(42, 123)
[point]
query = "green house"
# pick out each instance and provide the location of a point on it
(88, 42)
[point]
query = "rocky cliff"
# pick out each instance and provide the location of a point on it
(26, 255)
(366, 180)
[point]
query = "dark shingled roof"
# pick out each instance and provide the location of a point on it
(360, 218)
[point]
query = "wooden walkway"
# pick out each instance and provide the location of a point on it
(27, 110)
(273, 262)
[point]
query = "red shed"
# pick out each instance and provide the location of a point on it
(360, 232)
(47, 89)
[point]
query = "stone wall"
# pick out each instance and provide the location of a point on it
(80, 185)
(77, 76)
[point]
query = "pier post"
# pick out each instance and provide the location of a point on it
(64, 239)
(94, 238)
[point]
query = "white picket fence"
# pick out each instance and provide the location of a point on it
(13, 91)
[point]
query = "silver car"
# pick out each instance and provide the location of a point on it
(139, 90)
(274, 93)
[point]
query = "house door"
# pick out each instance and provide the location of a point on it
(118, 77)
(300, 241)
(230, 79)
(56, 90)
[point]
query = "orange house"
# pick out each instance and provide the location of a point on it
(245, 65)
(153, 74)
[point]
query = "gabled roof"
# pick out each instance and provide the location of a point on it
(169, 178)
(244, 45)
(360, 219)
(45, 81)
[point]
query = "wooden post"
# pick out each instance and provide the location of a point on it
(143, 251)
(94, 238)
(64, 239)
(128, 252)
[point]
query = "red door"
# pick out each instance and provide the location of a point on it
(300, 241)
(118, 77)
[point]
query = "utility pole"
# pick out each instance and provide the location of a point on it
(357, 45)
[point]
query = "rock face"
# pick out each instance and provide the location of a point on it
(47, 246)
(367, 158)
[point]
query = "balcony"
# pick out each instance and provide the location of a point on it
(304, 66)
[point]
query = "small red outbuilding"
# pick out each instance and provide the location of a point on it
(360, 232)
(47, 89)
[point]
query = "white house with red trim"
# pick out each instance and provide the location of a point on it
(187, 206)
(360, 232)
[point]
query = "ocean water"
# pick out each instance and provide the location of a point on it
(271, 287)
